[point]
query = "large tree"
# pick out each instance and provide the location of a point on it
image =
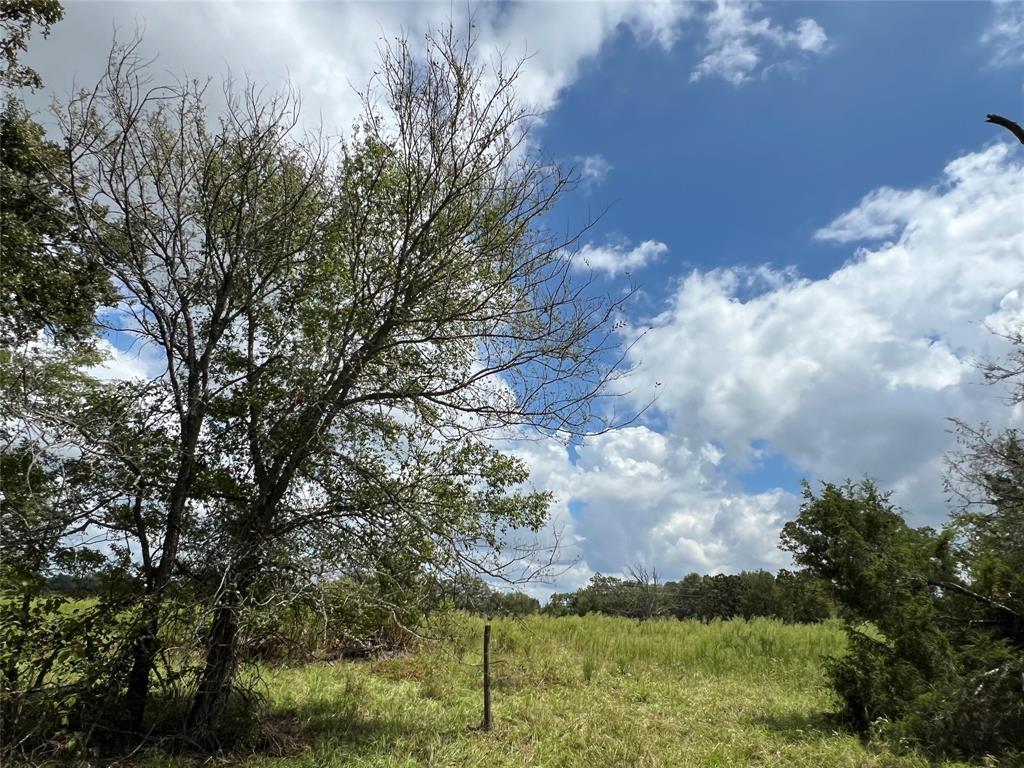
(339, 329)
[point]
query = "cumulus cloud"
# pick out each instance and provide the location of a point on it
(327, 51)
(848, 375)
(1004, 36)
(855, 373)
(880, 214)
(137, 361)
(641, 496)
(615, 259)
(809, 36)
(738, 43)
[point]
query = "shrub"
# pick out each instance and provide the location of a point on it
(933, 662)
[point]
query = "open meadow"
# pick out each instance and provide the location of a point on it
(572, 691)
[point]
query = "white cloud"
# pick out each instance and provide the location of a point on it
(855, 373)
(646, 497)
(880, 213)
(848, 375)
(137, 362)
(593, 169)
(613, 259)
(329, 50)
(738, 43)
(1004, 35)
(810, 36)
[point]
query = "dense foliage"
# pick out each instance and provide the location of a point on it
(473, 595)
(935, 620)
(790, 596)
(334, 332)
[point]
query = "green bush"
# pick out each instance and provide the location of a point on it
(62, 661)
(933, 663)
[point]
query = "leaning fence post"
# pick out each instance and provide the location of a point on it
(486, 725)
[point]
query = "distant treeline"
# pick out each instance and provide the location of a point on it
(72, 586)
(474, 595)
(789, 596)
(794, 597)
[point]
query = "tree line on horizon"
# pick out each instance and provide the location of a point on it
(791, 596)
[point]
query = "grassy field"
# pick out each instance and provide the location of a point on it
(593, 691)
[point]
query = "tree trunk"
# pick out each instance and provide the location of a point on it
(147, 643)
(143, 656)
(211, 699)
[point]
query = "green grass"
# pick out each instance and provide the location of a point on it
(593, 691)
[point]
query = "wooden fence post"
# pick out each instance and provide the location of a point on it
(486, 725)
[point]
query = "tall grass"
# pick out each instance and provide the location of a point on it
(590, 691)
(736, 647)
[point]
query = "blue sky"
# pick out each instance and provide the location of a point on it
(819, 220)
(728, 175)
